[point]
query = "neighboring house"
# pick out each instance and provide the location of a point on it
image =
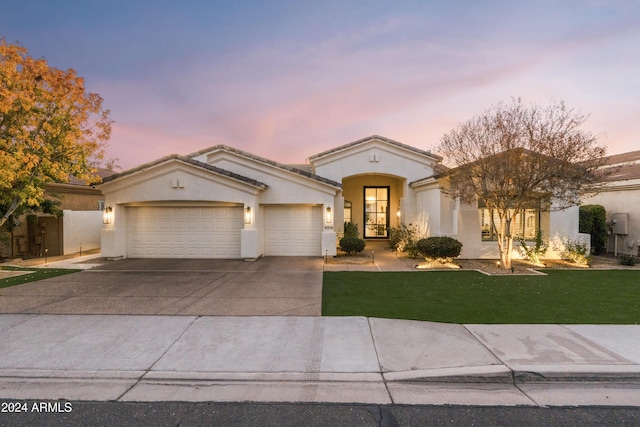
(620, 197)
(222, 202)
(77, 229)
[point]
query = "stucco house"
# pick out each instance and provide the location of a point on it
(222, 202)
(620, 196)
(77, 229)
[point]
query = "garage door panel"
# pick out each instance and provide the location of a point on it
(293, 230)
(180, 232)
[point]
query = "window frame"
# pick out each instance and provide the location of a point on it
(491, 234)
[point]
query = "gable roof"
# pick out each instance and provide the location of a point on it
(440, 170)
(376, 138)
(296, 170)
(187, 160)
(627, 166)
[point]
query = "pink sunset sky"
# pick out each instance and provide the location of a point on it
(289, 79)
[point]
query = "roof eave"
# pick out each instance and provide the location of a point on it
(372, 138)
(175, 157)
(269, 162)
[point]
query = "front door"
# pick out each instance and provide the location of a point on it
(376, 212)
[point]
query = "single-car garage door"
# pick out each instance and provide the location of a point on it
(293, 230)
(184, 232)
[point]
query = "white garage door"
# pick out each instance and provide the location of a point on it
(179, 232)
(293, 230)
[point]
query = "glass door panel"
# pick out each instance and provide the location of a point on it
(376, 212)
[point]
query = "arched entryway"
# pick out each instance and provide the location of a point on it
(373, 202)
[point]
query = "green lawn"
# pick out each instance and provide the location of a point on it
(37, 274)
(563, 296)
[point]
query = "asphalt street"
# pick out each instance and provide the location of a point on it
(287, 414)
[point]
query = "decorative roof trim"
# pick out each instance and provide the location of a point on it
(379, 138)
(266, 161)
(187, 160)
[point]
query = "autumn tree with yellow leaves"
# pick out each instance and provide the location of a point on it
(50, 128)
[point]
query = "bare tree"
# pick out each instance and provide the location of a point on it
(513, 156)
(112, 164)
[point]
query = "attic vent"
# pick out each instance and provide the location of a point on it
(177, 182)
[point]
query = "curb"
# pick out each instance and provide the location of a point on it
(521, 374)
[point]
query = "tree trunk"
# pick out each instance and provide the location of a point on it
(14, 205)
(505, 243)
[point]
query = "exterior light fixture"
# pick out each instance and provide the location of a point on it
(247, 215)
(327, 215)
(107, 215)
(398, 213)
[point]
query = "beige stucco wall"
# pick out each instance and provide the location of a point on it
(374, 157)
(75, 197)
(156, 186)
(378, 163)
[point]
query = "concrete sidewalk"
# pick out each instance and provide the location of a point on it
(315, 359)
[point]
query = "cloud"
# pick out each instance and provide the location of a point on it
(287, 97)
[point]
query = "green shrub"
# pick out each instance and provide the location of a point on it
(536, 252)
(352, 245)
(576, 252)
(395, 239)
(593, 220)
(439, 247)
(625, 259)
(351, 230)
(404, 239)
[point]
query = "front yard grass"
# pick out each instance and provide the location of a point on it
(562, 296)
(33, 275)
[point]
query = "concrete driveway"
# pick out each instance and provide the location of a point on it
(272, 286)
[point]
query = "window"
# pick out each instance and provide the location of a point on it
(347, 211)
(525, 224)
(100, 205)
(376, 212)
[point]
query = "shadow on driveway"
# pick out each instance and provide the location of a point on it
(271, 286)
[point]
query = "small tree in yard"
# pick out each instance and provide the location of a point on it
(50, 129)
(514, 156)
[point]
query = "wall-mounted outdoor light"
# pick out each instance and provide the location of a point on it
(398, 213)
(327, 215)
(107, 215)
(247, 215)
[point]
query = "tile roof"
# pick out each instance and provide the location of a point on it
(302, 167)
(101, 172)
(632, 156)
(625, 166)
(296, 170)
(439, 171)
(190, 161)
(380, 138)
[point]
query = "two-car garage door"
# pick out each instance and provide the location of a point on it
(184, 232)
(214, 232)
